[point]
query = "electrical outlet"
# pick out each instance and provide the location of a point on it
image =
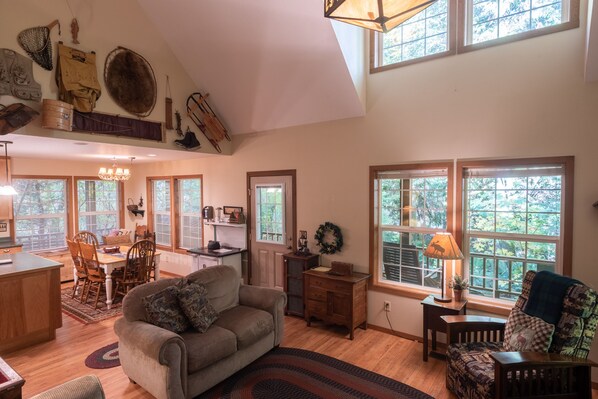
(387, 306)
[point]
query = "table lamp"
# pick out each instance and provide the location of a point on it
(443, 246)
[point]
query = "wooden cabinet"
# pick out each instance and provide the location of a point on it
(336, 299)
(64, 257)
(5, 200)
(11, 250)
(294, 266)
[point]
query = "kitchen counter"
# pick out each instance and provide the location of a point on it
(30, 295)
(218, 253)
(9, 244)
(24, 262)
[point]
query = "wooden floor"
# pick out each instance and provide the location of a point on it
(49, 364)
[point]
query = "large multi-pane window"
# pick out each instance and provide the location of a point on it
(41, 212)
(410, 204)
(98, 204)
(269, 205)
(175, 211)
(161, 211)
(514, 220)
(189, 205)
(440, 30)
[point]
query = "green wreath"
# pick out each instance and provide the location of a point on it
(325, 246)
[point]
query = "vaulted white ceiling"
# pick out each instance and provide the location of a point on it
(267, 64)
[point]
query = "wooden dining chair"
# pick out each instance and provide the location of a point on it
(95, 274)
(87, 237)
(80, 272)
(138, 267)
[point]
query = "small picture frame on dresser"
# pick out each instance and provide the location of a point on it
(228, 210)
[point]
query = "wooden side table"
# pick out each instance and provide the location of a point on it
(432, 321)
(294, 266)
(11, 382)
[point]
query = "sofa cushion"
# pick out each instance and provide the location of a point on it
(527, 333)
(222, 283)
(163, 310)
(248, 324)
(196, 306)
(207, 348)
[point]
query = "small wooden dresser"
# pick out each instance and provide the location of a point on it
(294, 266)
(336, 299)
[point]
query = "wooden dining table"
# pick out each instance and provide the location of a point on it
(113, 261)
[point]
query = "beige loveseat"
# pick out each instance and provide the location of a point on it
(170, 365)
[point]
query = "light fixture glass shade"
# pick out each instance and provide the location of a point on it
(114, 173)
(443, 246)
(378, 15)
(8, 190)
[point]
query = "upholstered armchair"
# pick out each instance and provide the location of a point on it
(483, 360)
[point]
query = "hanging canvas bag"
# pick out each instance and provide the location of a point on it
(77, 78)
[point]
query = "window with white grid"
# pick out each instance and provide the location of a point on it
(189, 215)
(162, 222)
(269, 205)
(98, 206)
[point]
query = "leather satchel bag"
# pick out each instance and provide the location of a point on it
(15, 116)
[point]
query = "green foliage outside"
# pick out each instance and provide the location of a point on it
(269, 209)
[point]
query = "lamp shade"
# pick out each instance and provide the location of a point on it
(378, 15)
(443, 246)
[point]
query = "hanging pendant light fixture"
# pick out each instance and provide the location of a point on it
(378, 15)
(6, 189)
(115, 173)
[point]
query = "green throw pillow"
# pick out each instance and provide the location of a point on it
(163, 310)
(193, 299)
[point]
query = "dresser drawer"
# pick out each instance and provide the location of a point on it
(331, 285)
(317, 294)
(316, 308)
(11, 250)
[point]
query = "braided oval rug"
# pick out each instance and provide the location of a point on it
(301, 374)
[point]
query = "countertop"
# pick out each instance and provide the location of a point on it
(24, 262)
(208, 252)
(7, 243)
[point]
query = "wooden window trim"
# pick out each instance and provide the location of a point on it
(174, 212)
(457, 28)
(120, 205)
(496, 306)
(375, 282)
(452, 49)
(69, 200)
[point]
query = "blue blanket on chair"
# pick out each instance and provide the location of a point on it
(546, 296)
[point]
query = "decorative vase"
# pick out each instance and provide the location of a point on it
(458, 295)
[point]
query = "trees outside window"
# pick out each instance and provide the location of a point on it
(41, 212)
(99, 205)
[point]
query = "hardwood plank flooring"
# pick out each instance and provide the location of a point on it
(49, 364)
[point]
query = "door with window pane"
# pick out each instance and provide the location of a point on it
(272, 226)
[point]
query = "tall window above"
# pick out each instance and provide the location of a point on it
(516, 217)
(189, 211)
(410, 203)
(99, 205)
(420, 37)
(440, 30)
(41, 212)
(161, 211)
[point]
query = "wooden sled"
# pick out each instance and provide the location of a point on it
(206, 120)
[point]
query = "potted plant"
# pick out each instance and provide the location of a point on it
(458, 284)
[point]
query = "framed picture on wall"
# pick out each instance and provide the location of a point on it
(232, 209)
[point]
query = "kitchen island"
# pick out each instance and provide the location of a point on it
(30, 308)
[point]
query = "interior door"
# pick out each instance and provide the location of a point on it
(272, 223)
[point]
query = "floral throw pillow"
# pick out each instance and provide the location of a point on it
(163, 310)
(525, 333)
(193, 299)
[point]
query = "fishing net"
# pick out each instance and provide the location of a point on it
(36, 42)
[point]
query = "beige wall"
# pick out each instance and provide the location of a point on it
(104, 25)
(524, 99)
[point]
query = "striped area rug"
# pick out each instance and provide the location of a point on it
(301, 374)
